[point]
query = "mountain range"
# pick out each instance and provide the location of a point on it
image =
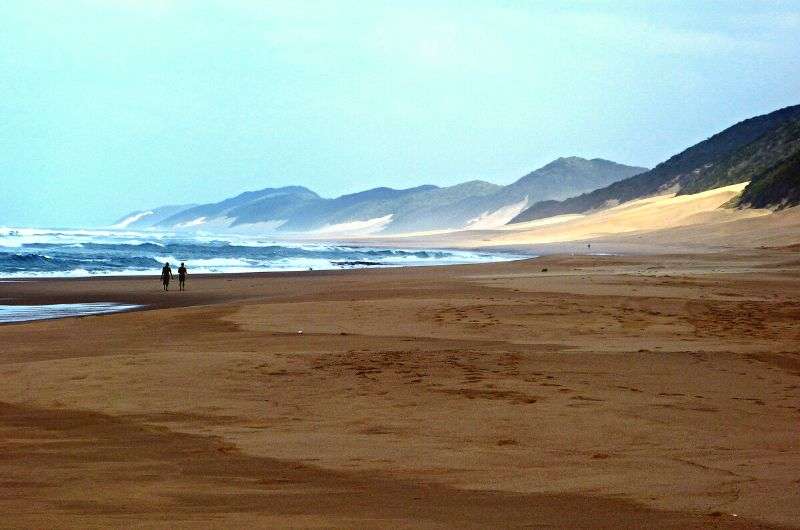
(763, 150)
(473, 204)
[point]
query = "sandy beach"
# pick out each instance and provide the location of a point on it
(448, 265)
(563, 391)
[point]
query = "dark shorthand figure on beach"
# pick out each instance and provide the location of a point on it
(182, 277)
(166, 275)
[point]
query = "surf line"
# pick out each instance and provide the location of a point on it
(25, 313)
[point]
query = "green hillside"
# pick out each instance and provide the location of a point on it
(737, 154)
(778, 187)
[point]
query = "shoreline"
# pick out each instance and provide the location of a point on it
(620, 388)
(19, 313)
(51, 290)
(236, 259)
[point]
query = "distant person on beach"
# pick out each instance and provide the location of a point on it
(166, 275)
(182, 277)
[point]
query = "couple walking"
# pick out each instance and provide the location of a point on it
(166, 276)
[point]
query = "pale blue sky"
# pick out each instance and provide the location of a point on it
(110, 106)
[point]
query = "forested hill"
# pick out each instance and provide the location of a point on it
(738, 154)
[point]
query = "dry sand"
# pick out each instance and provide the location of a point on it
(607, 392)
(642, 215)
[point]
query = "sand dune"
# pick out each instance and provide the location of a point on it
(652, 213)
(727, 228)
(667, 222)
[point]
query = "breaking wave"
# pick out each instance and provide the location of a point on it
(30, 252)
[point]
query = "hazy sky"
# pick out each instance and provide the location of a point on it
(110, 106)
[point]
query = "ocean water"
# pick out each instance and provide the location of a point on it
(32, 252)
(22, 313)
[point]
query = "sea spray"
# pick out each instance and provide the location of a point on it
(31, 252)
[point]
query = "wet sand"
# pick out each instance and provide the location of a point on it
(606, 392)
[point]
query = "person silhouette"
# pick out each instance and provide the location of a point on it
(182, 277)
(166, 275)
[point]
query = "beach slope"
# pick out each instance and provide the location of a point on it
(567, 391)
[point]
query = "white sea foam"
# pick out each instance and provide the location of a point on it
(22, 313)
(202, 252)
(210, 262)
(18, 237)
(78, 273)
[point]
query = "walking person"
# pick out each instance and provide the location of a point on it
(182, 277)
(166, 276)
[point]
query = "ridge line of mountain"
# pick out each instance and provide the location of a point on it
(474, 203)
(743, 152)
(763, 150)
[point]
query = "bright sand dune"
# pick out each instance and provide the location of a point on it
(652, 213)
(697, 222)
